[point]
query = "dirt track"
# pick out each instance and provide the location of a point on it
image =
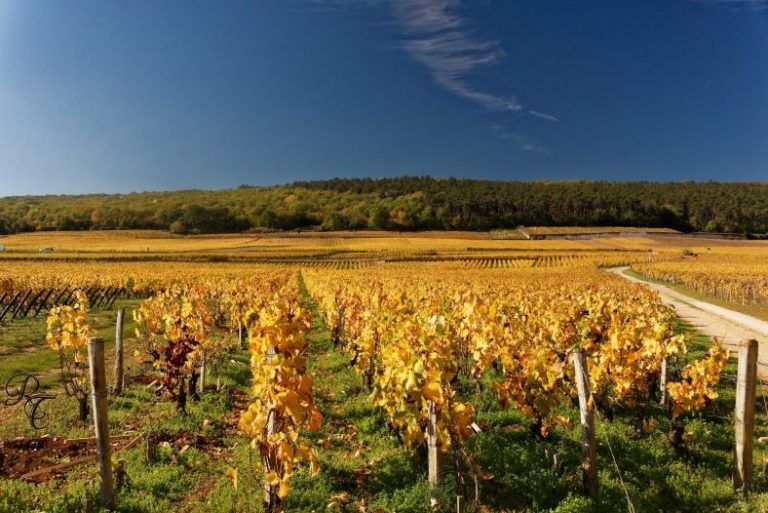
(715, 321)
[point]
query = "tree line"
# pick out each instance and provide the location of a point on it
(405, 203)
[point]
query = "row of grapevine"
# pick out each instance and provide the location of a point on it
(732, 278)
(417, 339)
(191, 325)
(179, 325)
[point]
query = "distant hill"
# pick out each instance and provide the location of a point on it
(405, 203)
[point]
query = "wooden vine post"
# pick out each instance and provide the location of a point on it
(745, 414)
(241, 335)
(100, 420)
(663, 376)
(10, 305)
(119, 374)
(271, 499)
(587, 420)
(20, 305)
(203, 370)
(432, 454)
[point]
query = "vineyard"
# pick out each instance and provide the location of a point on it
(400, 374)
(737, 279)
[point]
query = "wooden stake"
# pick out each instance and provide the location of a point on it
(98, 296)
(43, 303)
(114, 297)
(586, 415)
(9, 305)
(201, 383)
(241, 334)
(69, 297)
(60, 295)
(432, 456)
(745, 414)
(270, 498)
(21, 304)
(32, 303)
(663, 374)
(100, 420)
(119, 375)
(105, 296)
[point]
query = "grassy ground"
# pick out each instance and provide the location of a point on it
(364, 466)
(755, 310)
(23, 347)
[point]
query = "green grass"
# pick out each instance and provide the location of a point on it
(363, 464)
(23, 347)
(755, 310)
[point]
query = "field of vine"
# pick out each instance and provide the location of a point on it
(153, 245)
(435, 381)
(734, 278)
(738, 280)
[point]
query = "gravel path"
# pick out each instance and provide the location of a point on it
(715, 321)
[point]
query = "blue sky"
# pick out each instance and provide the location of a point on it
(151, 95)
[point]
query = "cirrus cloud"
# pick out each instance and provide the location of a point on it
(439, 39)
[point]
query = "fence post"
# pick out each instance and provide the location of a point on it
(100, 420)
(201, 384)
(119, 376)
(432, 456)
(745, 414)
(587, 419)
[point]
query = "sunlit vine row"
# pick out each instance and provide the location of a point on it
(416, 335)
(733, 278)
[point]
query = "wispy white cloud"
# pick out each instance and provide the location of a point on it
(438, 38)
(543, 115)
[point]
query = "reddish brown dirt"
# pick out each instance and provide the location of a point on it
(20, 457)
(45, 458)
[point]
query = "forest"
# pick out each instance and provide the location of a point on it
(404, 203)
